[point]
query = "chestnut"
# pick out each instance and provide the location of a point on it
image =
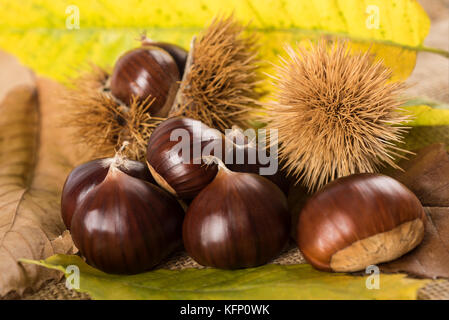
(178, 53)
(119, 222)
(239, 220)
(182, 174)
(85, 177)
(359, 220)
(146, 73)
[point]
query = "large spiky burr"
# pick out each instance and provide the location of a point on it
(336, 111)
(223, 81)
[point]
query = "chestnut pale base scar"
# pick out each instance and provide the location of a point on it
(379, 248)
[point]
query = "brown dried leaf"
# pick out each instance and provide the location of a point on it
(34, 161)
(16, 74)
(431, 258)
(427, 175)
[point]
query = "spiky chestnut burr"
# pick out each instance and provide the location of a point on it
(222, 81)
(102, 123)
(220, 87)
(337, 113)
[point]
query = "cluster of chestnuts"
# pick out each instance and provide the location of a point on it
(218, 81)
(127, 217)
(119, 219)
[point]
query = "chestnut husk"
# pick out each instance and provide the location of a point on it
(222, 82)
(182, 177)
(125, 225)
(223, 53)
(359, 220)
(85, 177)
(330, 122)
(239, 220)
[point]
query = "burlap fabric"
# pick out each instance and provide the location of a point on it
(430, 79)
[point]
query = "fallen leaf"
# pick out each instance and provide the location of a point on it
(427, 175)
(13, 75)
(425, 115)
(267, 282)
(108, 28)
(34, 161)
(423, 136)
(431, 258)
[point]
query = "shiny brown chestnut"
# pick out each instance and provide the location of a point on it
(359, 220)
(174, 155)
(85, 177)
(239, 220)
(122, 224)
(178, 53)
(146, 73)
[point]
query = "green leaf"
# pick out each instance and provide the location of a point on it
(108, 28)
(267, 282)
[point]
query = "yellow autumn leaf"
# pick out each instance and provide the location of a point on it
(43, 40)
(424, 115)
